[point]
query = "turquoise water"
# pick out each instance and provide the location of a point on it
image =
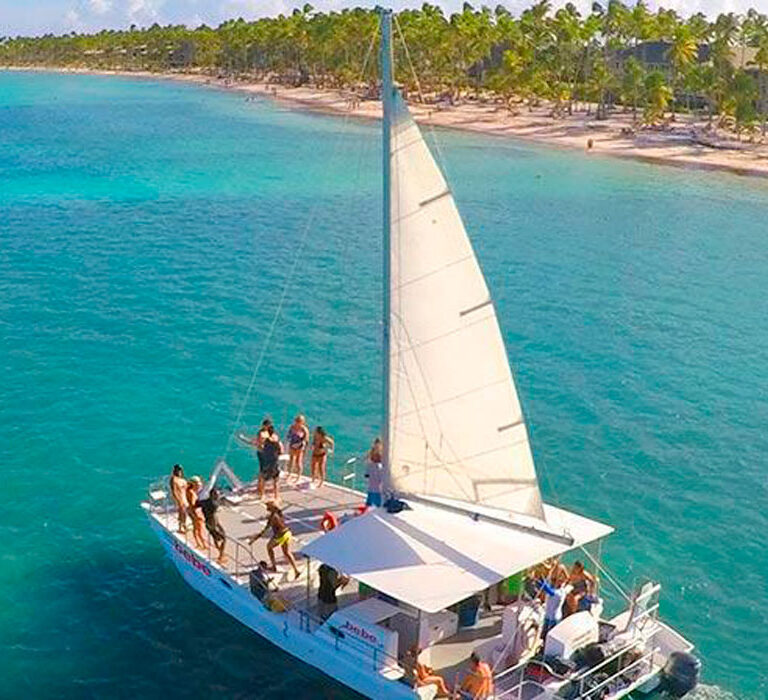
(146, 231)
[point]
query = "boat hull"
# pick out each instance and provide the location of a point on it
(284, 630)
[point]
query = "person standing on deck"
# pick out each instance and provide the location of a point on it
(194, 487)
(556, 593)
(271, 449)
(298, 439)
(281, 537)
(210, 506)
(322, 445)
(258, 442)
(178, 487)
(330, 582)
(375, 473)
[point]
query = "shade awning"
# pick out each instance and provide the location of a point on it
(431, 558)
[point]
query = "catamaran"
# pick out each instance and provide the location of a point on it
(446, 568)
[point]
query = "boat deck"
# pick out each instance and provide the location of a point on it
(244, 515)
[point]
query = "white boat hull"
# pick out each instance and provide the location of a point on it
(282, 629)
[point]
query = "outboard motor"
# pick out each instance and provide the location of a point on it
(681, 673)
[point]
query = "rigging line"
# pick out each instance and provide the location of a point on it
(292, 270)
(430, 126)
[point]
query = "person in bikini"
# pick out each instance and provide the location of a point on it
(424, 675)
(178, 486)
(194, 486)
(322, 445)
(281, 537)
(298, 439)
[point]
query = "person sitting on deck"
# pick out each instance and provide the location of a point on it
(375, 474)
(261, 583)
(330, 581)
(178, 487)
(209, 506)
(281, 537)
(194, 487)
(478, 685)
(423, 675)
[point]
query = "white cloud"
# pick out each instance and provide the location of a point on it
(100, 7)
(144, 11)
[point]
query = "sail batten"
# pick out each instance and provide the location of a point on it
(456, 429)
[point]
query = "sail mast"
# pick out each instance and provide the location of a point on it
(386, 132)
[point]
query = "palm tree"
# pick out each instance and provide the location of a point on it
(682, 54)
(633, 84)
(658, 95)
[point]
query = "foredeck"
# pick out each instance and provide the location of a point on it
(244, 515)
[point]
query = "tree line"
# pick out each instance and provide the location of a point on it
(559, 55)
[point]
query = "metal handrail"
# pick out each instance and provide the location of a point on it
(647, 656)
(166, 507)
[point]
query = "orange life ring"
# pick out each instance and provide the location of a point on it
(329, 521)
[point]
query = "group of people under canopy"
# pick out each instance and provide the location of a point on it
(561, 590)
(476, 684)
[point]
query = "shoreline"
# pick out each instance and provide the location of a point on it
(615, 137)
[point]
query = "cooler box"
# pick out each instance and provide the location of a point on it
(573, 633)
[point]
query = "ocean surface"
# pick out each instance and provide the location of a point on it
(147, 230)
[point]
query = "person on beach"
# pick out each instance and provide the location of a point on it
(375, 473)
(298, 439)
(281, 537)
(209, 507)
(269, 471)
(178, 487)
(322, 445)
(194, 487)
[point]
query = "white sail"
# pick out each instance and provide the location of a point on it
(456, 429)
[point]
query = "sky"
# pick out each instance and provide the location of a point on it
(32, 17)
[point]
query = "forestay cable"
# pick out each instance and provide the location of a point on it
(291, 272)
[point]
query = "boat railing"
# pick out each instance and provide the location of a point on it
(244, 559)
(509, 682)
(379, 659)
(512, 683)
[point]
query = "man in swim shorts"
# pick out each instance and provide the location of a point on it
(281, 537)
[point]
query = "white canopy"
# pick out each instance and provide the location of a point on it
(430, 558)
